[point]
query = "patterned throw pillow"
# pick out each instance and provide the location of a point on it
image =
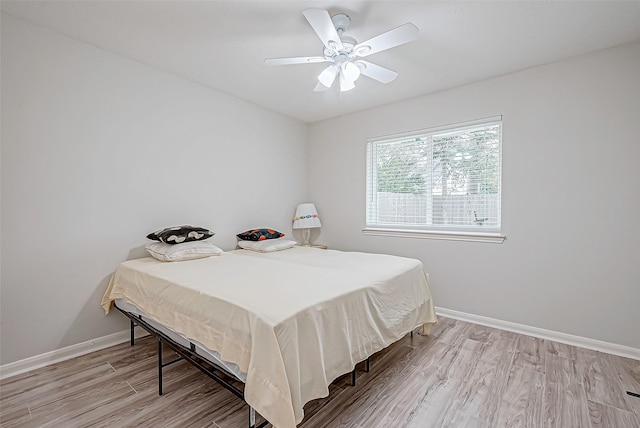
(180, 234)
(259, 234)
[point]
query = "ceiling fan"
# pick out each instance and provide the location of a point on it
(344, 52)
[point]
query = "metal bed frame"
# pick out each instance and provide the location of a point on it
(189, 354)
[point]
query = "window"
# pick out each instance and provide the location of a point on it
(444, 181)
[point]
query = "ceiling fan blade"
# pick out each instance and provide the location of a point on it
(376, 72)
(294, 60)
(323, 26)
(398, 36)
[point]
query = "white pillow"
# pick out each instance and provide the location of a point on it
(179, 252)
(268, 245)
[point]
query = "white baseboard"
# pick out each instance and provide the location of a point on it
(42, 360)
(579, 341)
(89, 346)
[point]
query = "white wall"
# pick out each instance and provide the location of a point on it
(99, 150)
(571, 196)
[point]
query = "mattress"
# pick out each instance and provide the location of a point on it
(292, 320)
(208, 354)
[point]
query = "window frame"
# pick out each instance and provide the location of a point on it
(494, 235)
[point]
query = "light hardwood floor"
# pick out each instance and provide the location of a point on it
(462, 375)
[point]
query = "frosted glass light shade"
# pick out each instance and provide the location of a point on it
(328, 75)
(350, 71)
(346, 84)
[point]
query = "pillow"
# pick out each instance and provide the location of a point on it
(179, 252)
(267, 246)
(259, 234)
(180, 234)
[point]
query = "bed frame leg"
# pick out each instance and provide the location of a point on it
(132, 335)
(353, 372)
(159, 366)
(252, 417)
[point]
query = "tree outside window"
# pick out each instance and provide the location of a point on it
(449, 179)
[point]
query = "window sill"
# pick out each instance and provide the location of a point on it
(493, 238)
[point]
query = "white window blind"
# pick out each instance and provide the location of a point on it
(446, 179)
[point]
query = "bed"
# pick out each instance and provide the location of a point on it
(289, 322)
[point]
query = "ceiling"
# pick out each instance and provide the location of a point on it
(223, 44)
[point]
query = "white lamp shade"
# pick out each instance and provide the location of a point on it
(306, 217)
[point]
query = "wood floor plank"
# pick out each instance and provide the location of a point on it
(495, 350)
(146, 348)
(503, 363)
(628, 371)
(316, 406)
(116, 413)
(601, 380)
(43, 378)
(59, 371)
(466, 359)
(59, 387)
(481, 333)
(562, 370)
(148, 380)
(472, 395)
(561, 350)
(397, 403)
(440, 327)
(509, 334)
(434, 405)
(603, 416)
(522, 401)
(565, 407)
(565, 400)
(432, 398)
(16, 417)
(201, 396)
(394, 387)
(453, 332)
(352, 403)
(530, 353)
(59, 412)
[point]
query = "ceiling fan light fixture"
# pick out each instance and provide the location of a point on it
(350, 71)
(346, 84)
(328, 75)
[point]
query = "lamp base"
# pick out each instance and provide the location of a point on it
(306, 233)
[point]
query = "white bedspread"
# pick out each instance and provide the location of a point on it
(292, 320)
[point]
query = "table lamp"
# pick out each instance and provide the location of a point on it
(306, 218)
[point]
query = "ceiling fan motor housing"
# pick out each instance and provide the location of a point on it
(348, 44)
(341, 22)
